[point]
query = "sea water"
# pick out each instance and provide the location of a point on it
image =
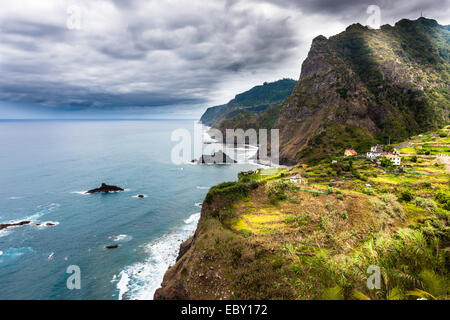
(45, 169)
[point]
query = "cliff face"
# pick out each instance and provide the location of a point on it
(364, 85)
(264, 237)
(251, 102)
(361, 87)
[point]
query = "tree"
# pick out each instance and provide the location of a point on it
(385, 162)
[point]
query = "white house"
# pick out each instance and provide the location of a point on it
(396, 160)
(295, 179)
(371, 155)
(375, 152)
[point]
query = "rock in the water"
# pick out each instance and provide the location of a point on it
(112, 246)
(105, 188)
(217, 158)
(141, 196)
(7, 225)
(49, 224)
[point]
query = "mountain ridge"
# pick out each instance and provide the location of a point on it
(253, 101)
(362, 87)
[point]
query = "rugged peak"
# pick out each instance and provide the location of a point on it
(319, 39)
(363, 86)
(356, 27)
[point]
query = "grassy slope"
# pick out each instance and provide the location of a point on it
(262, 238)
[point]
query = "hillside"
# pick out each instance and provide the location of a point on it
(266, 237)
(251, 102)
(361, 87)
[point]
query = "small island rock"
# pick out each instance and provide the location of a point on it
(105, 189)
(7, 225)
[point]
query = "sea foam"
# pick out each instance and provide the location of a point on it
(141, 280)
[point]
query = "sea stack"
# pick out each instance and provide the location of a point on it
(219, 157)
(105, 189)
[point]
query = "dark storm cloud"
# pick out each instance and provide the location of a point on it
(144, 53)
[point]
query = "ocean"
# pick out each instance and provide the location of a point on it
(45, 168)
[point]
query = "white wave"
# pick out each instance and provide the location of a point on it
(11, 254)
(121, 238)
(142, 279)
(42, 211)
(1, 252)
(198, 204)
(15, 198)
(122, 285)
(4, 233)
(137, 196)
(193, 218)
(46, 224)
(202, 188)
(83, 193)
(50, 256)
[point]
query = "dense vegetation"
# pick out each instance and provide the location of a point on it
(251, 102)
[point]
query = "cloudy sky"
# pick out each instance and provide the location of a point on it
(163, 58)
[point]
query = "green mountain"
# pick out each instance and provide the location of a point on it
(316, 232)
(362, 87)
(251, 102)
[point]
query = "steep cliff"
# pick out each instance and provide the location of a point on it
(265, 237)
(361, 87)
(251, 102)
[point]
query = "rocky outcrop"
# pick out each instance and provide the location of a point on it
(184, 247)
(104, 188)
(219, 157)
(18, 224)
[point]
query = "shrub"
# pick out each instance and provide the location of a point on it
(385, 162)
(246, 233)
(443, 199)
(424, 203)
(407, 195)
(344, 215)
(297, 220)
(340, 197)
(369, 191)
(276, 189)
(230, 190)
